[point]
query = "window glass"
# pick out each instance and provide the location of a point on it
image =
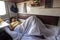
(2, 8)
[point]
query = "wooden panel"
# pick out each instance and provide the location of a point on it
(52, 20)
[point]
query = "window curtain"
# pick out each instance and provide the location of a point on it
(8, 9)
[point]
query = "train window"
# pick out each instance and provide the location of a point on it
(2, 8)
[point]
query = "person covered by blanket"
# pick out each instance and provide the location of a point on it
(14, 22)
(31, 26)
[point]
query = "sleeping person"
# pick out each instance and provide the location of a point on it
(31, 27)
(14, 22)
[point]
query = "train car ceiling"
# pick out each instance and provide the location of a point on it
(14, 0)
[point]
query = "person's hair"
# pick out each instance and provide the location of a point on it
(11, 19)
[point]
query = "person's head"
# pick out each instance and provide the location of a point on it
(12, 19)
(1, 20)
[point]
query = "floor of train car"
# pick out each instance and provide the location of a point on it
(4, 35)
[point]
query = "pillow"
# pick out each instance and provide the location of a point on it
(22, 20)
(7, 21)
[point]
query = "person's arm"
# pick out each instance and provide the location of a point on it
(14, 24)
(13, 34)
(10, 27)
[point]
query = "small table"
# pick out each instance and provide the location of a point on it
(3, 24)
